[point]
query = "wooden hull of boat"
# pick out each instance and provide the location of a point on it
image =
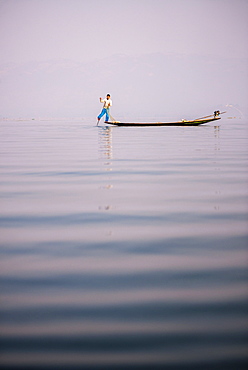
(196, 122)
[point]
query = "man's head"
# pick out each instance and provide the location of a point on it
(108, 96)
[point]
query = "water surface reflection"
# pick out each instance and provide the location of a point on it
(123, 248)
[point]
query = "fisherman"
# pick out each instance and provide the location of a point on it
(107, 103)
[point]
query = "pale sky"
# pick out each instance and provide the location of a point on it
(191, 54)
(84, 30)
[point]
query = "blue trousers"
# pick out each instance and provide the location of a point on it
(104, 111)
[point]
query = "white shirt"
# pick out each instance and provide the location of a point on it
(106, 103)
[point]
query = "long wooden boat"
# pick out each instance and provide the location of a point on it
(195, 122)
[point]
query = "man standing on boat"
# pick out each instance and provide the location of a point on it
(107, 103)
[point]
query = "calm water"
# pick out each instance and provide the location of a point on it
(124, 247)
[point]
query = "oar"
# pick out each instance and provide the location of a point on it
(113, 119)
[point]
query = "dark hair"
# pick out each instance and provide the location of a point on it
(108, 94)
